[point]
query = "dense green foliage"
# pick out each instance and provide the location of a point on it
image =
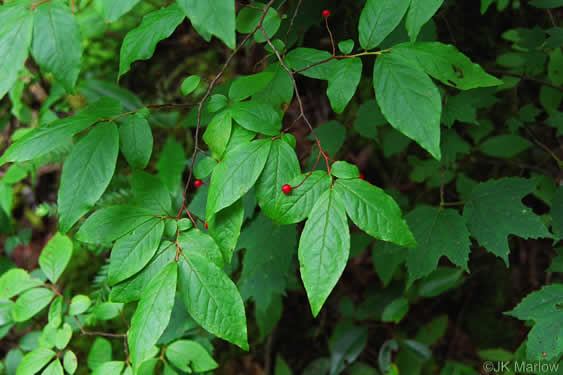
(281, 187)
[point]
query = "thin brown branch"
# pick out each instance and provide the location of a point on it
(297, 95)
(208, 93)
(293, 19)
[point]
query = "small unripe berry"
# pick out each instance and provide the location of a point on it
(198, 183)
(286, 189)
(361, 176)
(326, 13)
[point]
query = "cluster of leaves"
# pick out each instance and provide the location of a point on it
(175, 256)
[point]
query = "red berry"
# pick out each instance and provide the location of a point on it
(286, 189)
(326, 13)
(206, 226)
(198, 183)
(361, 176)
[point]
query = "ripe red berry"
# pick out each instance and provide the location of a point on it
(361, 176)
(206, 226)
(198, 183)
(286, 189)
(326, 13)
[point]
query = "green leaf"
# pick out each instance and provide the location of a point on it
(495, 354)
(386, 258)
(409, 100)
(15, 39)
(218, 133)
(342, 169)
(395, 311)
(31, 303)
(236, 174)
(281, 167)
(368, 119)
(5, 222)
(554, 70)
(346, 46)
(212, 299)
(136, 141)
(190, 84)
(420, 12)
(216, 18)
(107, 310)
(171, 164)
(239, 136)
(267, 317)
(297, 206)
(282, 368)
(257, 117)
(343, 84)
(16, 281)
(545, 4)
(153, 313)
(544, 308)
(64, 335)
(446, 64)
(373, 211)
(495, 210)
(100, 353)
(57, 46)
(133, 251)
(439, 281)
(331, 135)
(246, 86)
(360, 368)
(266, 274)
(195, 240)
(378, 19)
(346, 344)
(556, 214)
(280, 89)
(204, 167)
(485, 4)
(131, 289)
(184, 224)
(55, 256)
(93, 89)
(324, 248)
(505, 146)
(70, 362)
(34, 361)
(168, 370)
(190, 356)
(217, 102)
(55, 311)
(303, 58)
(438, 232)
(224, 226)
(139, 43)
(87, 173)
(40, 141)
(79, 304)
(249, 17)
(48, 337)
(111, 223)
(109, 368)
(113, 10)
(151, 193)
(12, 361)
